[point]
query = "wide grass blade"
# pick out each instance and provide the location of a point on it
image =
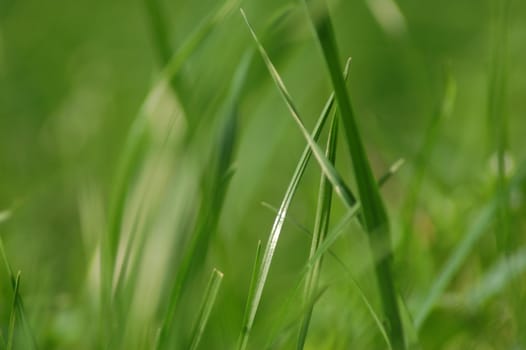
(282, 213)
(373, 210)
(321, 227)
(206, 307)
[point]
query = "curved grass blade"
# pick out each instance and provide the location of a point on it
(206, 307)
(374, 214)
(282, 213)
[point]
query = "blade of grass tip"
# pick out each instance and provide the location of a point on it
(373, 210)
(243, 337)
(19, 302)
(393, 169)
(331, 173)
(206, 307)
(282, 213)
(321, 226)
(12, 317)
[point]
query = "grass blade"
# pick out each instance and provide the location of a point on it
(243, 338)
(17, 298)
(339, 186)
(206, 307)
(374, 213)
(282, 213)
(321, 227)
(14, 311)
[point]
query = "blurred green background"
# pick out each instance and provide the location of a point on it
(74, 74)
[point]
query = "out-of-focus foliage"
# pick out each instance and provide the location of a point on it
(74, 76)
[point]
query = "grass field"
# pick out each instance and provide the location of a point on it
(244, 174)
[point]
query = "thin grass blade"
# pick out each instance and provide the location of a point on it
(206, 307)
(282, 213)
(321, 227)
(243, 338)
(14, 311)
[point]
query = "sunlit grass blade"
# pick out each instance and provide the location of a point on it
(206, 307)
(14, 311)
(321, 227)
(373, 210)
(282, 213)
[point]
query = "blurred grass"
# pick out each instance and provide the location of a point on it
(73, 78)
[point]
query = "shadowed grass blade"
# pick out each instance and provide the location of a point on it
(373, 210)
(206, 307)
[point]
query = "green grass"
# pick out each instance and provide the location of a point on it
(157, 189)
